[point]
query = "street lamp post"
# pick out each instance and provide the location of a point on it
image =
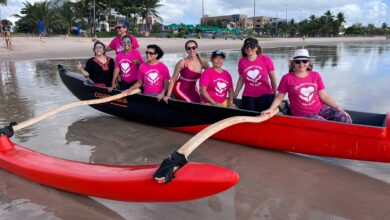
(254, 14)
(285, 5)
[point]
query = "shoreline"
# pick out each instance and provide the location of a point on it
(62, 47)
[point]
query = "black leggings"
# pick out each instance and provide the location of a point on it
(259, 104)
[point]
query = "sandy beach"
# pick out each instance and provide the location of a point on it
(32, 48)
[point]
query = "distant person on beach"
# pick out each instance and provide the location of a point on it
(7, 38)
(100, 68)
(306, 92)
(153, 75)
(216, 85)
(126, 65)
(187, 72)
(256, 71)
(122, 28)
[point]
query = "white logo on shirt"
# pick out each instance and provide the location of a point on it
(125, 67)
(153, 77)
(253, 74)
(221, 87)
(307, 93)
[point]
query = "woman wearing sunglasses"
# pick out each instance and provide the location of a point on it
(98, 69)
(256, 72)
(306, 92)
(186, 74)
(216, 85)
(153, 75)
(122, 28)
(126, 65)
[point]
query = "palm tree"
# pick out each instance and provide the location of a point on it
(338, 23)
(3, 2)
(149, 8)
(31, 13)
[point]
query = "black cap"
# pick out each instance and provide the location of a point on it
(250, 42)
(218, 53)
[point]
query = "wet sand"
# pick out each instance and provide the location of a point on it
(32, 48)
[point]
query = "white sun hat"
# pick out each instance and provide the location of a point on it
(301, 54)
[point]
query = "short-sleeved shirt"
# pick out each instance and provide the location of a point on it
(217, 84)
(116, 43)
(100, 73)
(128, 70)
(255, 75)
(302, 93)
(153, 77)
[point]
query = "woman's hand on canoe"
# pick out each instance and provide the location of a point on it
(166, 98)
(159, 97)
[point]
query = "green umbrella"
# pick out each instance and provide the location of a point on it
(173, 26)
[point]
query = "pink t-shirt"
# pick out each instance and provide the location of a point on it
(256, 77)
(128, 70)
(217, 84)
(116, 43)
(302, 93)
(153, 77)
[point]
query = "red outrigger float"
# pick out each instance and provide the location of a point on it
(126, 183)
(368, 138)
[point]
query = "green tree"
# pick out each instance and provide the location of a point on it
(149, 8)
(31, 13)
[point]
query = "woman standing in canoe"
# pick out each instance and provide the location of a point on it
(306, 92)
(153, 75)
(256, 72)
(126, 65)
(216, 85)
(98, 69)
(122, 28)
(186, 74)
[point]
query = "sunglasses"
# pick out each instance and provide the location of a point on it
(301, 61)
(98, 47)
(252, 46)
(126, 43)
(149, 53)
(191, 48)
(119, 27)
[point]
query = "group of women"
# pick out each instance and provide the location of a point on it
(257, 78)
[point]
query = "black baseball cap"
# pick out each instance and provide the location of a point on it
(250, 42)
(218, 53)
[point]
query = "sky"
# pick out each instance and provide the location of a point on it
(190, 11)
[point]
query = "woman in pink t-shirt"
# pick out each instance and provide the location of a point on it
(152, 75)
(306, 92)
(126, 65)
(216, 85)
(122, 28)
(256, 72)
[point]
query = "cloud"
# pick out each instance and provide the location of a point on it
(190, 11)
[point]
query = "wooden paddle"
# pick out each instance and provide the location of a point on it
(179, 158)
(70, 106)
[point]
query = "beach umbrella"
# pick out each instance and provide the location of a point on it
(173, 26)
(78, 29)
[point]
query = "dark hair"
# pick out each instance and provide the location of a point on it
(99, 42)
(291, 66)
(157, 49)
(125, 23)
(128, 36)
(248, 42)
(196, 44)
